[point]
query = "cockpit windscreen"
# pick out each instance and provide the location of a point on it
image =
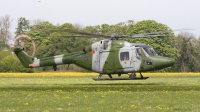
(150, 51)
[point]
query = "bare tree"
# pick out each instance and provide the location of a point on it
(5, 24)
(35, 22)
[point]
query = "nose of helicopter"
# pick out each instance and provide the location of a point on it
(170, 61)
(162, 62)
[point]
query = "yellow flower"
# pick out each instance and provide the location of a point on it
(159, 107)
(85, 96)
(46, 110)
(103, 96)
(26, 103)
(133, 106)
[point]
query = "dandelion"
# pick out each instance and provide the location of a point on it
(46, 110)
(67, 97)
(159, 107)
(85, 96)
(133, 106)
(101, 101)
(102, 96)
(26, 103)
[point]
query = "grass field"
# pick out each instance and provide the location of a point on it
(77, 92)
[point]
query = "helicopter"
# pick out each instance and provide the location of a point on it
(108, 56)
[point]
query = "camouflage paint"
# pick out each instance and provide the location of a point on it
(24, 58)
(103, 57)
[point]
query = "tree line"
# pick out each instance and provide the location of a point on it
(184, 47)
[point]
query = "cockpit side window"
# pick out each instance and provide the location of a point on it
(138, 53)
(124, 56)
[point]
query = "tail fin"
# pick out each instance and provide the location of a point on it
(24, 58)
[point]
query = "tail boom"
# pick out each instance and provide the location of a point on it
(32, 62)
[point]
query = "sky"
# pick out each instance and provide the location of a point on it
(176, 14)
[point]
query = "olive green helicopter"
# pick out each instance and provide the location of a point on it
(109, 56)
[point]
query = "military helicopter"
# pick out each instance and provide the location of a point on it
(108, 56)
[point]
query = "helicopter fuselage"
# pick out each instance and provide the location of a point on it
(105, 57)
(117, 56)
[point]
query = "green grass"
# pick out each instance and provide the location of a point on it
(82, 94)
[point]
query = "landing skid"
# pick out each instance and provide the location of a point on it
(104, 79)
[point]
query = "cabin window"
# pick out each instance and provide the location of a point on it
(124, 56)
(105, 44)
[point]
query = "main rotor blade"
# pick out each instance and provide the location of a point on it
(82, 33)
(167, 31)
(151, 34)
(143, 35)
(73, 36)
